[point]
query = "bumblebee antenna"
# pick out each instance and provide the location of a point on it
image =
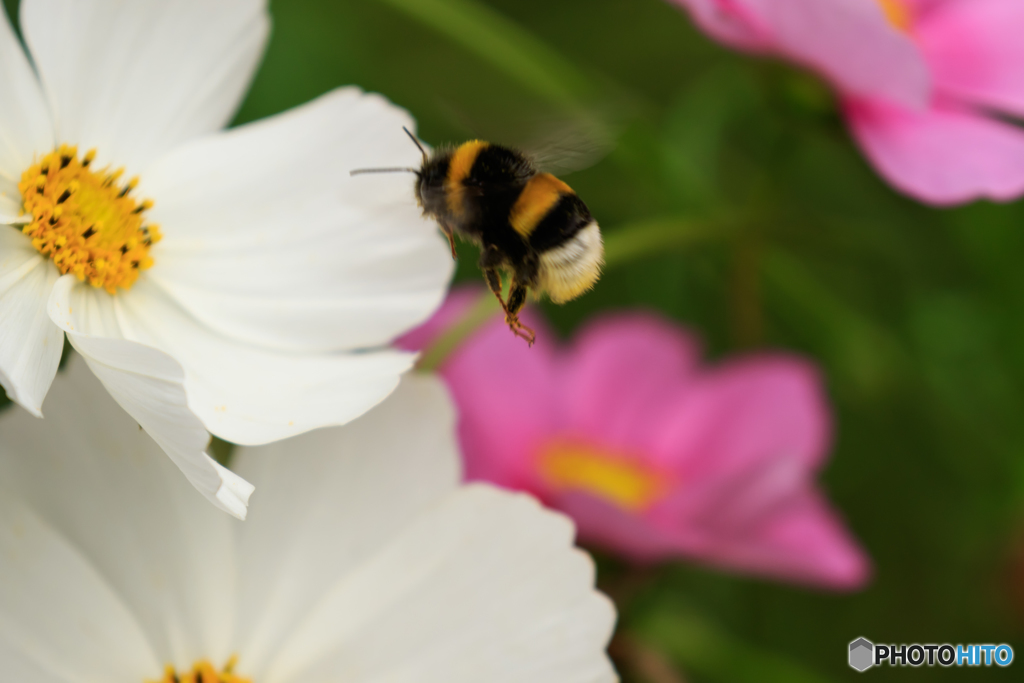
(396, 169)
(416, 142)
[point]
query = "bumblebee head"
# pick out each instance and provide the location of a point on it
(430, 183)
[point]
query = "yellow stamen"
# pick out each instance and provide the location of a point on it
(631, 485)
(898, 14)
(86, 222)
(203, 672)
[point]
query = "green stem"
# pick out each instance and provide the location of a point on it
(623, 245)
(507, 46)
(635, 241)
(483, 309)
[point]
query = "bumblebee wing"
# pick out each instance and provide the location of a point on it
(572, 145)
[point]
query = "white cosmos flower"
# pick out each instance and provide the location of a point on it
(364, 560)
(276, 271)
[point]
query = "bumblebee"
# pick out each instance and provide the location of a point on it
(526, 223)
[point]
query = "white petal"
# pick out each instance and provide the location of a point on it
(270, 241)
(251, 396)
(148, 384)
(59, 619)
(484, 587)
(330, 499)
(134, 79)
(10, 204)
(94, 476)
(30, 344)
(25, 127)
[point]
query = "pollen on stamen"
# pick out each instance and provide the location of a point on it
(204, 672)
(85, 221)
(626, 482)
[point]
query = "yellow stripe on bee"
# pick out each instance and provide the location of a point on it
(538, 198)
(459, 168)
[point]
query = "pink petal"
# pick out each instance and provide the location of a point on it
(975, 49)
(621, 371)
(727, 22)
(850, 42)
(854, 45)
(747, 412)
(945, 155)
(634, 537)
(920, 7)
(802, 541)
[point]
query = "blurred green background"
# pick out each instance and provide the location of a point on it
(738, 206)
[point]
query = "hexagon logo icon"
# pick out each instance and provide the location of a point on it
(862, 654)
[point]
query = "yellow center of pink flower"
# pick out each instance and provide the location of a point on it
(86, 221)
(613, 477)
(898, 13)
(203, 672)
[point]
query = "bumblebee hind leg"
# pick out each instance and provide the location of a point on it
(516, 299)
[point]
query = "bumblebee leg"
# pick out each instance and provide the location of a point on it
(516, 301)
(518, 293)
(516, 297)
(450, 234)
(494, 282)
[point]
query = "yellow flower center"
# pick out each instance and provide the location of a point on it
(203, 672)
(613, 477)
(86, 221)
(898, 14)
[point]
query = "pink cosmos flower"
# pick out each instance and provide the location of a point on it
(921, 81)
(653, 455)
